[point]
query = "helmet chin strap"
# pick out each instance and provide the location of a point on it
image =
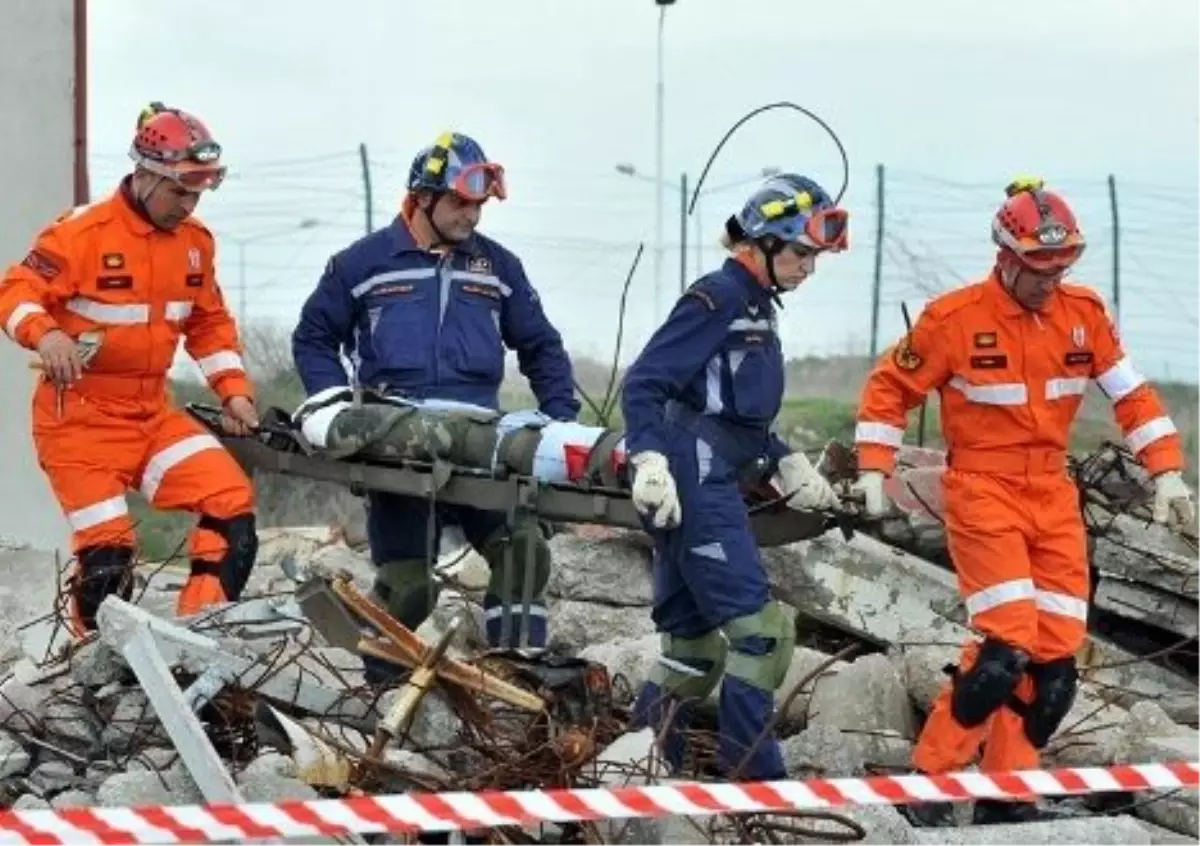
(772, 247)
(141, 197)
(442, 240)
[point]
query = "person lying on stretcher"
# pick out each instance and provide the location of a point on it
(383, 429)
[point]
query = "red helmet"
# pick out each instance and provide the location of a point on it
(177, 146)
(1037, 227)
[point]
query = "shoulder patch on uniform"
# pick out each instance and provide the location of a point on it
(42, 264)
(904, 356)
(704, 297)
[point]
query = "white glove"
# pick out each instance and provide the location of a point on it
(654, 490)
(808, 488)
(869, 485)
(1173, 502)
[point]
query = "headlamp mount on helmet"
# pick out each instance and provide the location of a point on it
(1053, 244)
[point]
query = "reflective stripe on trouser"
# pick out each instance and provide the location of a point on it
(92, 456)
(708, 574)
(1019, 549)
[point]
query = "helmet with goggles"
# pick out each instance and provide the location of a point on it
(457, 164)
(791, 209)
(177, 146)
(1037, 227)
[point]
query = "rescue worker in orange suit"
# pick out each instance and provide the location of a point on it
(137, 267)
(1010, 357)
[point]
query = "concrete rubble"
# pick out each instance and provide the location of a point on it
(256, 702)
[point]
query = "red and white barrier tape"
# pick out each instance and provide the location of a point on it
(450, 811)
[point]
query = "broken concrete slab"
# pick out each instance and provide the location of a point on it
(822, 751)
(614, 571)
(187, 735)
(117, 621)
(14, 759)
(1095, 831)
(867, 695)
(575, 625)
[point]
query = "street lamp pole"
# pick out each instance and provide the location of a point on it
(628, 169)
(658, 165)
(243, 288)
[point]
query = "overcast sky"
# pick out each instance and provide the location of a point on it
(952, 98)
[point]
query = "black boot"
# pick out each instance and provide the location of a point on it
(929, 814)
(1001, 811)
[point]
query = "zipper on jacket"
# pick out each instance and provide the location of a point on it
(445, 267)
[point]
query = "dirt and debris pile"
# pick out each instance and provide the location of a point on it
(266, 699)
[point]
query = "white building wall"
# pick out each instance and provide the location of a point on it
(37, 160)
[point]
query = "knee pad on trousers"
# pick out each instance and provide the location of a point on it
(761, 645)
(103, 570)
(241, 550)
(690, 667)
(406, 590)
(525, 538)
(980, 691)
(1054, 686)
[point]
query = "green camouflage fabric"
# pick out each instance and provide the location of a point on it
(390, 434)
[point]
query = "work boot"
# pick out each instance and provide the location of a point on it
(929, 814)
(1002, 811)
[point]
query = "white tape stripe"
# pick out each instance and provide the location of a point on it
(978, 784)
(921, 787)
(800, 795)
(128, 820)
(405, 808)
(1155, 774)
(97, 513)
(1066, 387)
(600, 802)
(1006, 393)
(1120, 380)
(197, 817)
(471, 806)
(541, 805)
(859, 792)
(20, 313)
(213, 364)
(273, 817)
(117, 315)
(1042, 783)
(343, 815)
(1148, 433)
(678, 803)
(178, 310)
(163, 461)
(731, 796)
(867, 431)
(1062, 604)
(55, 827)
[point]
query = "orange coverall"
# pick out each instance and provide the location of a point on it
(1010, 382)
(105, 267)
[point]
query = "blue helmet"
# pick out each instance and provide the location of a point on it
(793, 209)
(457, 163)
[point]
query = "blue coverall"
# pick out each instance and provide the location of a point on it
(704, 393)
(432, 325)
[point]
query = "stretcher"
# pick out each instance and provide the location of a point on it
(594, 492)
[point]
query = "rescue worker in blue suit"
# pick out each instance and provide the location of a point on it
(699, 404)
(424, 309)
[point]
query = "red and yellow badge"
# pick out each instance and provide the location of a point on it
(904, 357)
